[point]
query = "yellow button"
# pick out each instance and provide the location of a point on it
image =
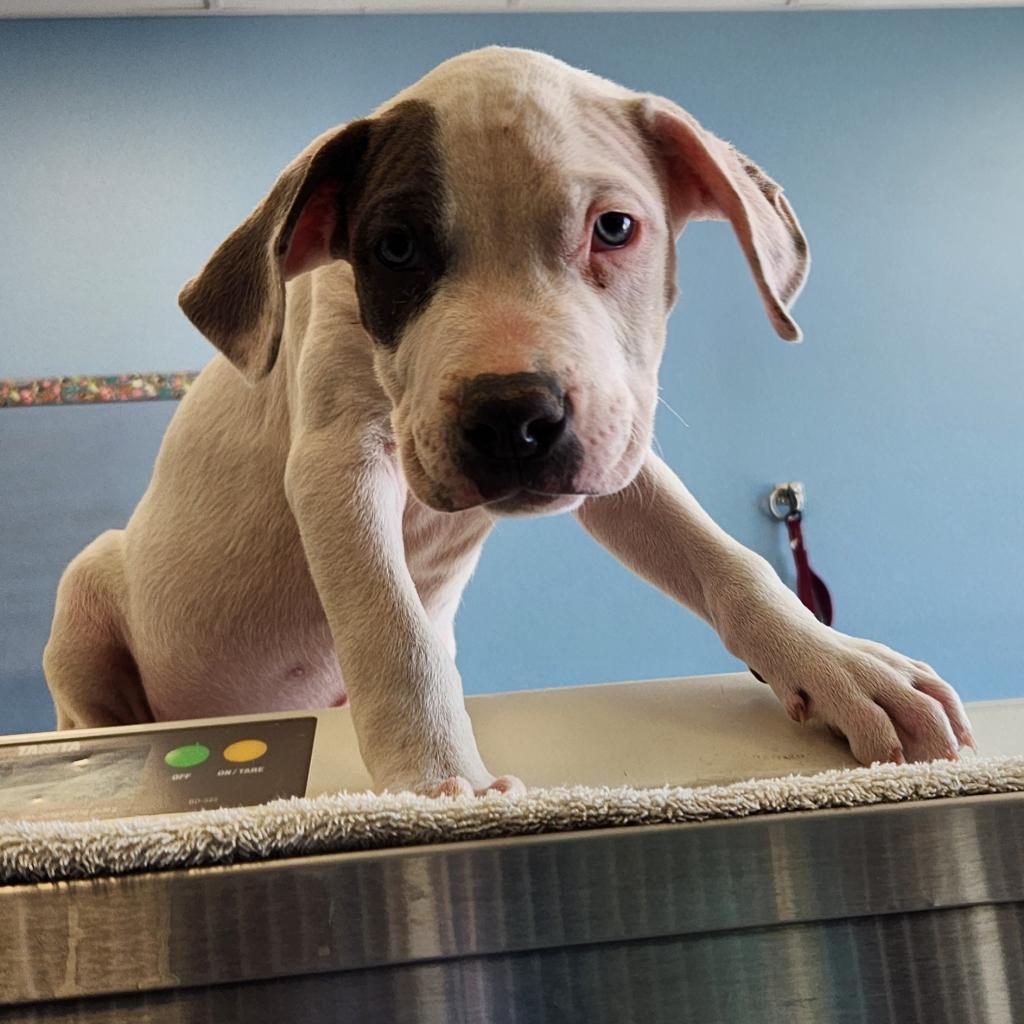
(245, 750)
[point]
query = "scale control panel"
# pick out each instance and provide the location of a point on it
(183, 768)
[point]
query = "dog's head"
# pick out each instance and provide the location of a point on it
(511, 224)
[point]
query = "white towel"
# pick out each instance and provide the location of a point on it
(33, 851)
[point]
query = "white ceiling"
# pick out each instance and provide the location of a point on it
(99, 8)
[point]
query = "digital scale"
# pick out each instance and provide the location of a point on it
(137, 770)
(697, 731)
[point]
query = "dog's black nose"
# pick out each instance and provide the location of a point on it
(515, 417)
(525, 426)
(512, 428)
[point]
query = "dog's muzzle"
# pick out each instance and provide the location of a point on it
(514, 433)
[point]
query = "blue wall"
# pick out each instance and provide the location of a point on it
(128, 149)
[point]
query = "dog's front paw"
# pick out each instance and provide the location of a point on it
(889, 707)
(457, 785)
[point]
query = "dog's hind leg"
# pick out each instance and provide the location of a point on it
(89, 667)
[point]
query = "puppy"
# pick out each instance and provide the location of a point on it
(450, 311)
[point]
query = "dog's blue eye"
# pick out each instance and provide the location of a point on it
(397, 248)
(614, 229)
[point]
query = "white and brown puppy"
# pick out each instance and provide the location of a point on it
(450, 311)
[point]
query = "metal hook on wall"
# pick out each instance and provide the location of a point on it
(786, 499)
(786, 503)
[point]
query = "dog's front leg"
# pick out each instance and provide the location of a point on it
(348, 496)
(889, 707)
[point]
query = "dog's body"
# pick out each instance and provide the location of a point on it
(479, 277)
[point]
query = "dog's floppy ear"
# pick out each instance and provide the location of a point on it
(237, 299)
(709, 180)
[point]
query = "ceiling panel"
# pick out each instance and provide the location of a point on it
(92, 8)
(88, 8)
(357, 6)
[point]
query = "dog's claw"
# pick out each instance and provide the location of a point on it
(454, 786)
(507, 785)
(457, 785)
(798, 706)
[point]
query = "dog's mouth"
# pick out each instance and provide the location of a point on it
(511, 501)
(533, 503)
(524, 485)
(522, 488)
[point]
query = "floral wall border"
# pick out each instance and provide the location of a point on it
(91, 390)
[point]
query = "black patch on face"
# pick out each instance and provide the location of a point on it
(397, 192)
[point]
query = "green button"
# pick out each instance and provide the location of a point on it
(187, 757)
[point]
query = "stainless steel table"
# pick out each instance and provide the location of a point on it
(904, 913)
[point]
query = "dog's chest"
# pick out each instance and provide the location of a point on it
(441, 549)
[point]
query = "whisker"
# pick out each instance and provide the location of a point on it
(674, 413)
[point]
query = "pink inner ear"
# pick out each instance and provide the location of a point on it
(693, 169)
(710, 180)
(310, 244)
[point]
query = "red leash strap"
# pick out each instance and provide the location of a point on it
(785, 504)
(810, 587)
